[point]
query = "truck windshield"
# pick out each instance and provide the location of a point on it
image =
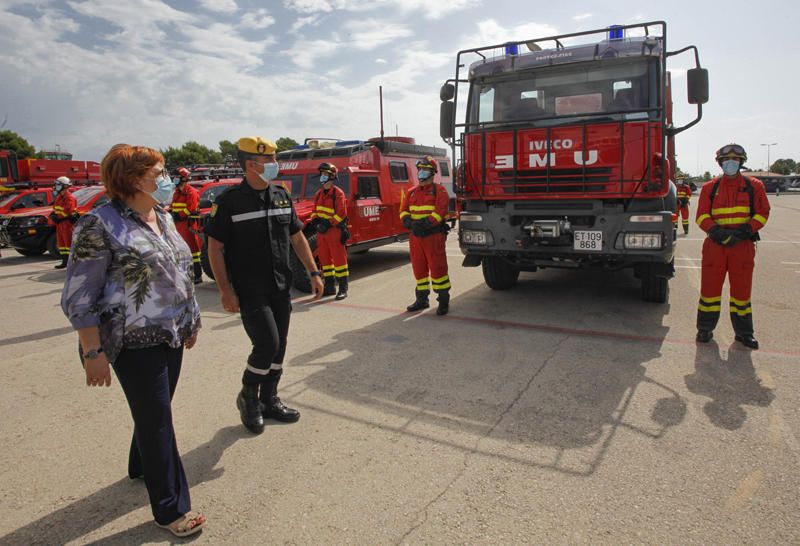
(84, 195)
(610, 89)
(292, 182)
(6, 198)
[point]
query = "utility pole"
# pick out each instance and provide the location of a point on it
(768, 148)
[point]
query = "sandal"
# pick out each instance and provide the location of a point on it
(188, 524)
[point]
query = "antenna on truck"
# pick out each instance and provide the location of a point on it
(380, 94)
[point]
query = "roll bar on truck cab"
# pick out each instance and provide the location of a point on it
(567, 153)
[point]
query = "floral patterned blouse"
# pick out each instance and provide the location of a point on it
(134, 285)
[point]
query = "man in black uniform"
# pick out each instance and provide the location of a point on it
(249, 233)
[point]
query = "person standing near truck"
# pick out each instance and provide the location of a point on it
(249, 233)
(65, 214)
(423, 214)
(684, 193)
(185, 211)
(329, 218)
(732, 209)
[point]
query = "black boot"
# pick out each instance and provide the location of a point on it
(198, 273)
(330, 286)
(686, 230)
(420, 303)
(63, 263)
(250, 409)
(704, 336)
(444, 302)
(748, 341)
(342, 288)
(271, 405)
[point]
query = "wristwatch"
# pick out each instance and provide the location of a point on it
(94, 353)
(316, 273)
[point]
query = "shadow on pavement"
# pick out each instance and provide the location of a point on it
(503, 366)
(123, 497)
(729, 379)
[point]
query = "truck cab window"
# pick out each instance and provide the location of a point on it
(368, 188)
(399, 171)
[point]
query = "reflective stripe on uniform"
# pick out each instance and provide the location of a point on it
(422, 284)
(342, 271)
(730, 210)
(249, 216)
(278, 212)
(442, 283)
(702, 217)
(324, 209)
(709, 305)
(759, 218)
(262, 371)
(732, 221)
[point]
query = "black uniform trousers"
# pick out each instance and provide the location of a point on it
(266, 321)
(148, 377)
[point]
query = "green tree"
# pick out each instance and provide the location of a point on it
(706, 176)
(284, 143)
(784, 166)
(228, 150)
(9, 140)
(191, 153)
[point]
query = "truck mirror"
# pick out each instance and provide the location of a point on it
(205, 204)
(447, 92)
(447, 116)
(697, 85)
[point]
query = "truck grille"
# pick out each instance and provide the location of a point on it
(588, 180)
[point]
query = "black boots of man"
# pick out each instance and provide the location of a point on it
(421, 302)
(330, 287)
(63, 264)
(704, 336)
(259, 402)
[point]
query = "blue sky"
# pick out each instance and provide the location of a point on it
(86, 74)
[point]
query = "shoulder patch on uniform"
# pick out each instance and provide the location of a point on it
(214, 208)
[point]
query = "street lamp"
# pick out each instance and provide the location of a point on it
(768, 147)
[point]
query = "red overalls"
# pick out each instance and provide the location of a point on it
(331, 205)
(730, 209)
(428, 254)
(185, 211)
(63, 207)
(684, 193)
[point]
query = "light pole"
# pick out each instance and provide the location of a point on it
(768, 147)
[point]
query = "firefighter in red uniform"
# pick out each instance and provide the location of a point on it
(732, 209)
(329, 218)
(185, 211)
(684, 193)
(65, 214)
(423, 214)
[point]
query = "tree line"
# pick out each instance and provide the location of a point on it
(188, 154)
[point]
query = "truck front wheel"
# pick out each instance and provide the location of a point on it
(655, 288)
(498, 273)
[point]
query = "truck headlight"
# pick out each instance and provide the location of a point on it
(644, 241)
(476, 237)
(469, 217)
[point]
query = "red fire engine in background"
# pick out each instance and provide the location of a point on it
(375, 176)
(32, 173)
(567, 154)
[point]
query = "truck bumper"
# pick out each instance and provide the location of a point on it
(534, 235)
(31, 239)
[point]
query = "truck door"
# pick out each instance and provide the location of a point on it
(371, 217)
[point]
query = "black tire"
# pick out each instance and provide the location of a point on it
(300, 279)
(655, 288)
(498, 273)
(204, 262)
(30, 251)
(52, 246)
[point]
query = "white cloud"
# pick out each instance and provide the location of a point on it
(582, 16)
(311, 20)
(257, 20)
(313, 6)
(220, 6)
(490, 32)
(381, 61)
(430, 10)
(368, 34)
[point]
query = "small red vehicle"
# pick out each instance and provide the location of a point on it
(32, 232)
(375, 176)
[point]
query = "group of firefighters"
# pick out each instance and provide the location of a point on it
(731, 210)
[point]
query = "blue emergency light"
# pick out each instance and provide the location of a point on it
(512, 48)
(615, 32)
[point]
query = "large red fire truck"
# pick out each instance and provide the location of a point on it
(33, 173)
(567, 154)
(375, 175)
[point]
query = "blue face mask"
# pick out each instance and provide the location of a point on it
(164, 189)
(424, 174)
(270, 172)
(323, 178)
(730, 167)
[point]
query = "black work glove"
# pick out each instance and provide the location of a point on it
(420, 228)
(745, 232)
(323, 225)
(345, 234)
(407, 221)
(74, 217)
(176, 216)
(684, 202)
(722, 236)
(54, 217)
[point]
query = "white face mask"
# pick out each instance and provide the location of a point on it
(730, 167)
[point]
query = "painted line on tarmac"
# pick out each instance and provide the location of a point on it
(790, 263)
(762, 241)
(688, 267)
(547, 328)
(746, 490)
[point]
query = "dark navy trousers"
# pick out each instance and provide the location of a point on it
(148, 377)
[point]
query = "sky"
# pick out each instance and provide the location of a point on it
(82, 75)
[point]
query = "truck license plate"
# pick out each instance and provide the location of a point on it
(588, 240)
